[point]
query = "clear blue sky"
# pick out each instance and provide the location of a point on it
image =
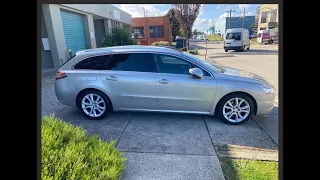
(209, 13)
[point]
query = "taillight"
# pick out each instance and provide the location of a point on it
(60, 75)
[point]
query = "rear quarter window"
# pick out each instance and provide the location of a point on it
(93, 63)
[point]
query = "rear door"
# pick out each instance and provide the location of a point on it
(233, 39)
(177, 90)
(129, 79)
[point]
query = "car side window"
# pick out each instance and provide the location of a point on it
(93, 63)
(130, 62)
(174, 65)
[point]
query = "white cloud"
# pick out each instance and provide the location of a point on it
(224, 15)
(136, 10)
(241, 6)
(211, 22)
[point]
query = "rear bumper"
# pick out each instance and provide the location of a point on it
(65, 92)
(232, 47)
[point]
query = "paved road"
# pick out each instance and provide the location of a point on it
(163, 145)
(261, 60)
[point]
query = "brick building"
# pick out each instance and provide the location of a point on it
(147, 30)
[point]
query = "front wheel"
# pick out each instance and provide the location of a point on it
(225, 50)
(235, 109)
(248, 47)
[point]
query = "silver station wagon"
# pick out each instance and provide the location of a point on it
(159, 79)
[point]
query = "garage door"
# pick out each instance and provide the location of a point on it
(74, 33)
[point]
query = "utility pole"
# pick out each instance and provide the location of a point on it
(230, 17)
(244, 12)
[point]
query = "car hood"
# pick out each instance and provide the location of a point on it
(243, 74)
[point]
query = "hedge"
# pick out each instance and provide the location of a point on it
(69, 153)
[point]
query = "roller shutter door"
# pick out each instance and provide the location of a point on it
(74, 33)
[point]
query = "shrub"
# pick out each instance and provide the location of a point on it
(118, 37)
(68, 153)
(195, 51)
(161, 43)
(215, 37)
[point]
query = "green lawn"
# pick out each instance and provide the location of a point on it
(240, 169)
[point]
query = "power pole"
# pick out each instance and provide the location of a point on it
(244, 12)
(230, 17)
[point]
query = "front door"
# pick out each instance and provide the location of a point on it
(177, 90)
(129, 79)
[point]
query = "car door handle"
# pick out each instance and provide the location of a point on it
(163, 81)
(112, 78)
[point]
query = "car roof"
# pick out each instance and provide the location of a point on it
(129, 48)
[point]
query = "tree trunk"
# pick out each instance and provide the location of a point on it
(187, 44)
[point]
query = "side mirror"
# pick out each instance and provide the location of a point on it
(196, 72)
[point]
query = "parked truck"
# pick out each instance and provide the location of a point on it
(267, 36)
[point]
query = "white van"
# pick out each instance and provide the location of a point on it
(267, 36)
(236, 39)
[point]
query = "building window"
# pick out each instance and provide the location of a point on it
(137, 33)
(264, 17)
(273, 17)
(156, 31)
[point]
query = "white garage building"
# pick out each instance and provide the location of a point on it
(75, 27)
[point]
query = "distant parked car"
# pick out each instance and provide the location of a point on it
(268, 36)
(236, 39)
(202, 37)
(158, 79)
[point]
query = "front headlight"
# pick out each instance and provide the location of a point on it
(267, 89)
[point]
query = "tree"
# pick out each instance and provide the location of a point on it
(252, 26)
(174, 24)
(181, 32)
(195, 32)
(186, 14)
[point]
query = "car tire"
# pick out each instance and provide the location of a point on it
(225, 50)
(248, 47)
(100, 101)
(244, 108)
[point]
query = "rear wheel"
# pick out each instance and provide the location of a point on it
(94, 104)
(225, 50)
(235, 109)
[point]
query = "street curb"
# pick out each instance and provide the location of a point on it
(241, 152)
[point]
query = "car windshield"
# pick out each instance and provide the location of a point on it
(210, 63)
(236, 36)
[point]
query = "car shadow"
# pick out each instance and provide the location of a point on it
(255, 52)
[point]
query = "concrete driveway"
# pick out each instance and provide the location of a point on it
(163, 145)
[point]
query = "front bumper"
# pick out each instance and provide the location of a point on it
(233, 47)
(264, 107)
